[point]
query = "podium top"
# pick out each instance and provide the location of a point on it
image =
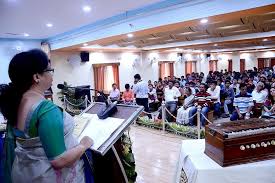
(127, 112)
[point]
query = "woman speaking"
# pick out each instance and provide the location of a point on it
(46, 150)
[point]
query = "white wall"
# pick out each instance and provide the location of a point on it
(144, 63)
(8, 48)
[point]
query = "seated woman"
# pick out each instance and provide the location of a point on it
(183, 112)
(46, 150)
(128, 95)
(269, 105)
(152, 98)
(114, 93)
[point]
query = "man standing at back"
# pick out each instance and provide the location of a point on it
(141, 90)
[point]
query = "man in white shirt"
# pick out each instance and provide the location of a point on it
(215, 92)
(259, 95)
(141, 90)
(171, 94)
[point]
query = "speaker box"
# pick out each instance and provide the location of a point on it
(208, 55)
(84, 56)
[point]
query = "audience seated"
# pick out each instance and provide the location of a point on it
(228, 96)
(214, 92)
(152, 98)
(202, 98)
(183, 112)
(243, 104)
(114, 93)
(234, 90)
(128, 95)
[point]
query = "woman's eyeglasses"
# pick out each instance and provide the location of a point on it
(51, 71)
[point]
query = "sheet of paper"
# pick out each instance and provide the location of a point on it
(99, 130)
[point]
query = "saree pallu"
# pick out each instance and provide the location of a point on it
(31, 164)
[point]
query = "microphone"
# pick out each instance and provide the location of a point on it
(107, 110)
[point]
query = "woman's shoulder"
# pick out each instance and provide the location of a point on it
(46, 106)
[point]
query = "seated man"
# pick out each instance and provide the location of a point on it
(128, 95)
(171, 94)
(259, 95)
(228, 95)
(215, 92)
(243, 104)
(203, 99)
(114, 93)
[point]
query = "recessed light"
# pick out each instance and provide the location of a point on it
(26, 35)
(86, 8)
(204, 20)
(49, 25)
(215, 44)
(177, 49)
(265, 39)
(85, 44)
(130, 35)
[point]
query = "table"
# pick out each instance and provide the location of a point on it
(199, 168)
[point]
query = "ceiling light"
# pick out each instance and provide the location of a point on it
(204, 20)
(265, 39)
(130, 35)
(49, 25)
(26, 35)
(86, 8)
(215, 44)
(85, 44)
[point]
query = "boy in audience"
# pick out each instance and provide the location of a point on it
(215, 95)
(228, 96)
(114, 93)
(203, 99)
(243, 104)
(128, 95)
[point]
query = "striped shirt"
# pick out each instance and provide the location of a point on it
(203, 98)
(243, 102)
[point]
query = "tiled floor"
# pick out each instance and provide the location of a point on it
(156, 154)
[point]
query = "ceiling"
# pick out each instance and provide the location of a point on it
(216, 29)
(236, 31)
(31, 16)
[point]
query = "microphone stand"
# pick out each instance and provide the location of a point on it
(106, 111)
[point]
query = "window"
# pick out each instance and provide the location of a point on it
(166, 69)
(105, 75)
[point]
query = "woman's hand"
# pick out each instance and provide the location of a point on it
(87, 142)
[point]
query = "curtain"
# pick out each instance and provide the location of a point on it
(161, 70)
(188, 67)
(242, 65)
(99, 77)
(272, 62)
(171, 69)
(260, 63)
(213, 65)
(166, 69)
(116, 74)
(230, 65)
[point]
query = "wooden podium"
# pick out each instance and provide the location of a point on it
(107, 158)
